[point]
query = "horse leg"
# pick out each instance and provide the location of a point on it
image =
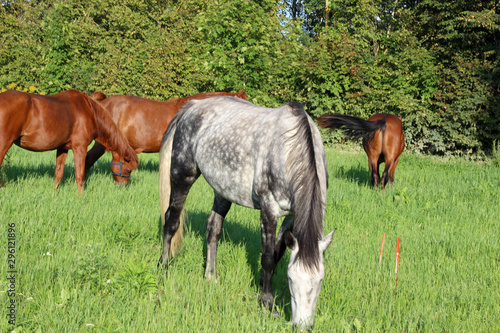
(3, 150)
(79, 154)
(93, 155)
(179, 191)
(388, 175)
(214, 231)
(392, 171)
(268, 224)
(373, 165)
(60, 161)
(280, 242)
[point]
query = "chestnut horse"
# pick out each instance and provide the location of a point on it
(68, 120)
(383, 140)
(143, 122)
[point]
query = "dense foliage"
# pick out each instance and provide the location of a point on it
(434, 63)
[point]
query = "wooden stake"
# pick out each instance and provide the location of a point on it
(397, 263)
(381, 249)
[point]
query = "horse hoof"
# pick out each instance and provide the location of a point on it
(211, 278)
(163, 265)
(267, 301)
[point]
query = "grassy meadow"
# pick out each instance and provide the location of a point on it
(89, 263)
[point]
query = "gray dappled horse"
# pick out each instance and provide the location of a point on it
(267, 159)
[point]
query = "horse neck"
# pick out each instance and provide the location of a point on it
(307, 170)
(108, 134)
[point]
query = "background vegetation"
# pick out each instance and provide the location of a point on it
(435, 63)
(89, 263)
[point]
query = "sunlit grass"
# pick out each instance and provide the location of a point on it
(90, 262)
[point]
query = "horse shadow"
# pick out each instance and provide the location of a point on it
(13, 173)
(103, 166)
(149, 165)
(240, 235)
(357, 174)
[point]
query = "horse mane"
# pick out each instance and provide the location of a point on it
(302, 168)
(241, 94)
(183, 100)
(109, 134)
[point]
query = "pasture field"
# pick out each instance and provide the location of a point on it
(89, 263)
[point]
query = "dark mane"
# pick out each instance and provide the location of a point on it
(306, 191)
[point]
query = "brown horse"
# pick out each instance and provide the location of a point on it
(143, 122)
(68, 120)
(383, 140)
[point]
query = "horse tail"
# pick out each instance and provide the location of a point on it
(354, 127)
(109, 135)
(165, 185)
(306, 167)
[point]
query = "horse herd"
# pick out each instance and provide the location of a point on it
(268, 159)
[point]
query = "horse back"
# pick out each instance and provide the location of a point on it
(230, 139)
(218, 136)
(141, 120)
(47, 122)
(15, 105)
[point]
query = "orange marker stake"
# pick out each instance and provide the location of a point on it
(397, 263)
(381, 249)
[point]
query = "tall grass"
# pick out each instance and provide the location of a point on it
(89, 263)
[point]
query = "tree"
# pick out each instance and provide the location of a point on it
(244, 45)
(464, 36)
(433, 63)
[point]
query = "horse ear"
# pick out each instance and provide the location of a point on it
(325, 242)
(291, 241)
(98, 96)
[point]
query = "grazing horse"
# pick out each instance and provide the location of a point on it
(68, 120)
(268, 159)
(383, 140)
(143, 122)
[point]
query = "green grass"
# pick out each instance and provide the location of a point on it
(89, 263)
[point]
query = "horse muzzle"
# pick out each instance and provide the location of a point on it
(120, 173)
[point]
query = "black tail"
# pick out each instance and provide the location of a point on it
(354, 127)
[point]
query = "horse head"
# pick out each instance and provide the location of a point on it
(122, 167)
(305, 282)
